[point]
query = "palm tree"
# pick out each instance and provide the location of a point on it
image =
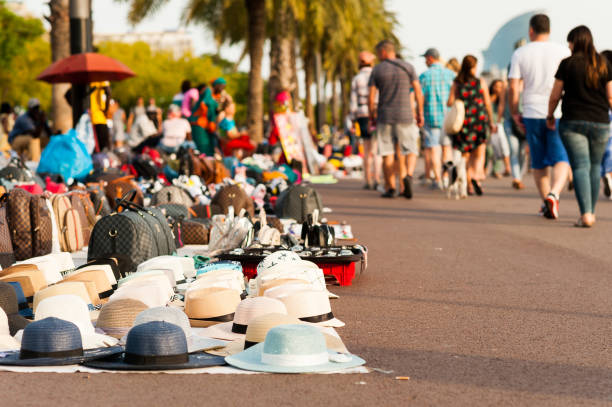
(59, 19)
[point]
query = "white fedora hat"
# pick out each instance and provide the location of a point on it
(166, 275)
(73, 309)
(153, 293)
(78, 288)
(220, 278)
(281, 256)
(246, 311)
(310, 306)
(183, 266)
(7, 342)
(304, 270)
(195, 341)
(52, 265)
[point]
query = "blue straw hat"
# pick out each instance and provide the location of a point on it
(293, 349)
(53, 342)
(156, 345)
(24, 307)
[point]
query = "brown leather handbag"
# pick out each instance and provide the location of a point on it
(194, 232)
(68, 224)
(121, 186)
(42, 227)
(7, 257)
(18, 213)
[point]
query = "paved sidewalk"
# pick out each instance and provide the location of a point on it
(479, 302)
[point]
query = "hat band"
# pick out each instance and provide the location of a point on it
(295, 360)
(318, 318)
(33, 354)
(239, 328)
(134, 359)
(30, 299)
(248, 344)
(222, 318)
(23, 305)
(183, 281)
(106, 294)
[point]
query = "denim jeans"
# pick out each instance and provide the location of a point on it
(517, 152)
(585, 143)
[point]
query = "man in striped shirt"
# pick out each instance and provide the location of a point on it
(436, 83)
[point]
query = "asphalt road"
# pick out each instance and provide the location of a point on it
(478, 302)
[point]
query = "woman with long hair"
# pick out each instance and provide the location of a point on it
(584, 82)
(470, 140)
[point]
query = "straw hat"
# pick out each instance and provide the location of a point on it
(53, 342)
(277, 257)
(100, 279)
(164, 277)
(195, 342)
(31, 282)
(78, 288)
(18, 267)
(293, 349)
(72, 308)
(117, 317)
(230, 279)
(182, 264)
(7, 342)
(157, 345)
(8, 302)
(108, 269)
(303, 270)
(246, 311)
(308, 305)
(209, 306)
(52, 265)
(22, 302)
(92, 291)
(153, 293)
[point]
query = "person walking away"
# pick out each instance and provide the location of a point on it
(392, 78)
(499, 141)
(470, 141)
(606, 165)
(535, 65)
(436, 82)
(99, 99)
(453, 65)
(7, 121)
(175, 130)
(584, 82)
(361, 118)
(190, 98)
(28, 129)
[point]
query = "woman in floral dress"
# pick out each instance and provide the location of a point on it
(470, 141)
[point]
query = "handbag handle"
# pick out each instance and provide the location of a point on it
(126, 201)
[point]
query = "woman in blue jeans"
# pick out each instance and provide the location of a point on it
(584, 81)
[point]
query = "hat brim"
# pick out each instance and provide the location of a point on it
(334, 323)
(195, 361)
(27, 313)
(250, 359)
(96, 340)
(16, 322)
(8, 343)
(222, 331)
(12, 359)
(197, 343)
(197, 323)
(231, 348)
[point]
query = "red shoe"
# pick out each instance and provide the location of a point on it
(552, 204)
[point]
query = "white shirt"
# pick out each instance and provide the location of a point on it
(536, 64)
(360, 93)
(175, 131)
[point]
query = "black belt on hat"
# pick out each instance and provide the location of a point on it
(23, 305)
(134, 359)
(30, 299)
(222, 318)
(115, 286)
(183, 281)
(318, 318)
(32, 354)
(239, 328)
(248, 344)
(106, 294)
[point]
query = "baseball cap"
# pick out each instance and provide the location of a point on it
(432, 52)
(32, 103)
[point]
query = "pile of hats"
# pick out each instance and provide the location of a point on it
(171, 315)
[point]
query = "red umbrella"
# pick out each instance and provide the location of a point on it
(85, 68)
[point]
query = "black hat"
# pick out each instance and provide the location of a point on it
(53, 342)
(10, 305)
(156, 345)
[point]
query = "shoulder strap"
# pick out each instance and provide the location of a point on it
(400, 66)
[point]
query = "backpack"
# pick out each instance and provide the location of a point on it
(172, 195)
(68, 224)
(232, 195)
(297, 202)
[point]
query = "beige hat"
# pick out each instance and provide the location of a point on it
(31, 282)
(164, 277)
(52, 265)
(103, 285)
(246, 311)
(78, 288)
(309, 306)
(303, 284)
(153, 293)
(17, 268)
(209, 306)
(219, 278)
(181, 264)
(117, 317)
(92, 290)
(7, 342)
(107, 269)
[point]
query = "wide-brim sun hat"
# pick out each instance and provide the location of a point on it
(275, 258)
(90, 287)
(156, 345)
(8, 302)
(210, 306)
(195, 341)
(103, 285)
(73, 309)
(310, 306)
(7, 342)
(181, 264)
(164, 277)
(293, 349)
(246, 311)
(153, 293)
(108, 270)
(53, 342)
(78, 288)
(31, 282)
(117, 317)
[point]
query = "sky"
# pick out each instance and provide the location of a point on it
(456, 28)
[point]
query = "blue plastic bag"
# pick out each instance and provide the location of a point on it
(66, 155)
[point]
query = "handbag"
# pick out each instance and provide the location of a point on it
(453, 120)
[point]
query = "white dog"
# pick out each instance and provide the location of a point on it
(456, 184)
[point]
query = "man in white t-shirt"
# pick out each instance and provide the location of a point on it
(175, 130)
(535, 64)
